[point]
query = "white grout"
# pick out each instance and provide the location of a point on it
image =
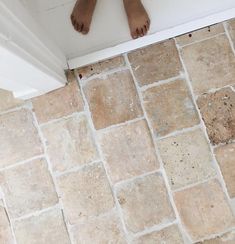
(225, 24)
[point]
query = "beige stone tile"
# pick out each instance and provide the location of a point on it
(226, 157)
(101, 230)
(85, 193)
(113, 99)
(218, 113)
(48, 227)
(58, 103)
(231, 29)
(228, 238)
(5, 229)
(129, 151)
(144, 203)
(100, 67)
(186, 158)
(28, 188)
(169, 235)
(200, 34)
(149, 63)
(7, 100)
(170, 107)
(210, 63)
(204, 210)
(19, 139)
(69, 143)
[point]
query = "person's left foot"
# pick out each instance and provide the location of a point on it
(138, 18)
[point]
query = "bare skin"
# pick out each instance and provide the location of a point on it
(138, 18)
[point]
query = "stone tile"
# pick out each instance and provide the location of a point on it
(218, 113)
(200, 34)
(149, 63)
(28, 188)
(210, 63)
(204, 210)
(69, 143)
(186, 158)
(169, 235)
(48, 227)
(100, 67)
(7, 100)
(228, 238)
(129, 151)
(19, 139)
(58, 103)
(144, 203)
(170, 107)
(231, 29)
(113, 99)
(102, 230)
(85, 193)
(226, 157)
(5, 229)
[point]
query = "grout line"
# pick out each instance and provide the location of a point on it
(204, 129)
(225, 24)
(184, 234)
(26, 105)
(95, 136)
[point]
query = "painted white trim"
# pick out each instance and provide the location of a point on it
(150, 39)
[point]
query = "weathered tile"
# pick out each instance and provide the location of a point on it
(58, 103)
(5, 229)
(200, 34)
(69, 143)
(7, 100)
(28, 188)
(170, 107)
(144, 203)
(48, 227)
(231, 29)
(228, 238)
(210, 63)
(101, 230)
(129, 151)
(186, 158)
(204, 210)
(85, 193)
(226, 157)
(19, 139)
(100, 67)
(218, 113)
(169, 235)
(149, 63)
(113, 99)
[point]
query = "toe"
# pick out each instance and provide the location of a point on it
(85, 30)
(142, 32)
(80, 27)
(134, 34)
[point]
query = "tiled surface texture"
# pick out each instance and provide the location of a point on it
(138, 149)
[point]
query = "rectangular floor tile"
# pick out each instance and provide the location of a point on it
(210, 63)
(204, 210)
(129, 151)
(145, 203)
(169, 235)
(48, 227)
(58, 103)
(226, 158)
(19, 139)
(228, 238)
(103, 230)
(7, 100)
(69, 143)
(201, 34)
(100, 67)
(170, 107)
(186, 158)
(149, 63)
(28, 188)
(85, 193)
(113, 100)
(218, 113)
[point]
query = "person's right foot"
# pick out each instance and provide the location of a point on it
(82, 15)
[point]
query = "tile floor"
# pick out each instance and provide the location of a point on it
(136, 149)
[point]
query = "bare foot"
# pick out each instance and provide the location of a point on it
(138, 18)
(82, 15)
